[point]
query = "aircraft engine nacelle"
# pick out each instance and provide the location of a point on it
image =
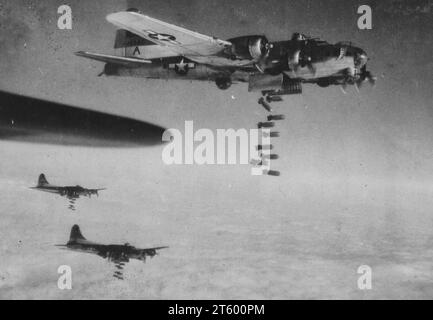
(249, 47)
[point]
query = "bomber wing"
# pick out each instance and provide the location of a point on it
(180, 40)
(195, 46)
(157, 248)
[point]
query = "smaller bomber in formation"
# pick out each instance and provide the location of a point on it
(117, 253)
(71, 192)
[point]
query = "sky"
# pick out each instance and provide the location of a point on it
(355, 186)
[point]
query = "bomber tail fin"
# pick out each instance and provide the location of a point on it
(76, 234)
(125, 39)
(42, 181)
(128, 44)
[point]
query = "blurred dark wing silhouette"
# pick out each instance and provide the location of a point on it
(33, 120)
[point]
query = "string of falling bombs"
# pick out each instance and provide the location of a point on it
(267, 156)
(118, 274)
(72, 204)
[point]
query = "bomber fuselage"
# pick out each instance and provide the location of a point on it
(309, 61)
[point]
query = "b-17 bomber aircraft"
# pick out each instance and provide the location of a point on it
(119, 254)
(71, 192)
(154, 49)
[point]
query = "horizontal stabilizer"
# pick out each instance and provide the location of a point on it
(158, 248)
(125, 61)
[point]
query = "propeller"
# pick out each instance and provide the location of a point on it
(343, 88)
(262, 63)
(310, 66)
(365, 76)
(359, 80)
(305, 53)
(302, 59)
